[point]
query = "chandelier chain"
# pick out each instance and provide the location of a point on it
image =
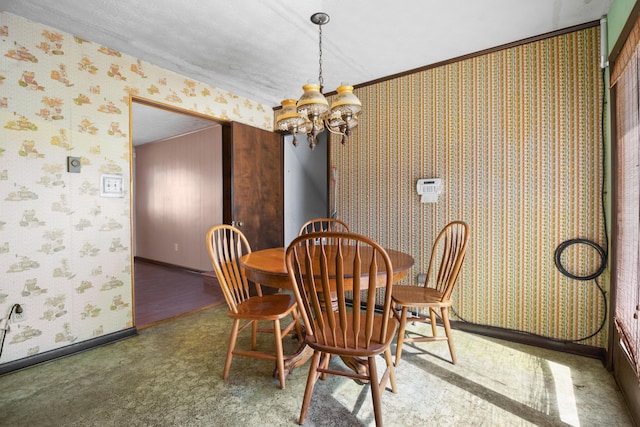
(320, 80)
(311, 114)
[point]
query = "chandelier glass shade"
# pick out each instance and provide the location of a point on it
(311, 114)
(290, 121)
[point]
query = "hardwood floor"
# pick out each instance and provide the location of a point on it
(164, 292)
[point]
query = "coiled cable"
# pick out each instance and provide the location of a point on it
(567, 243)
(593, 276)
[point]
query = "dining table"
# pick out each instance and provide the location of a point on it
(268, 268)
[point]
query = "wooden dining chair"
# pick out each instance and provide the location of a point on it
(226, 245)
(334, 326)
(447, 255)
(323, 224)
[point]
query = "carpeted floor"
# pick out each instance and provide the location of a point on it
(170, 375)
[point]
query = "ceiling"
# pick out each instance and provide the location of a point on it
(266, 50)
(152, 124)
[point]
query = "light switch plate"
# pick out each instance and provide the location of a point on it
(111, 185)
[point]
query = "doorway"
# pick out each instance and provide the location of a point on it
(253, 180)
(170, 151)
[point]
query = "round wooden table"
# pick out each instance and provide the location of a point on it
(268, 267)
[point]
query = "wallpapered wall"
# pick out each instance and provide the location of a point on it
(65, 252)
(515, 135)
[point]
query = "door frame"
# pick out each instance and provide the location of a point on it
(132, 210)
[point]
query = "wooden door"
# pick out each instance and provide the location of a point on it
(254, 184)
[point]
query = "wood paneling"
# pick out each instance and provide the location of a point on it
(178, 196)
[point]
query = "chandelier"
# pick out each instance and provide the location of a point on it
(311, 113)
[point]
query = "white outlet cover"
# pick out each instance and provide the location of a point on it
(111, 185)
(19, 317)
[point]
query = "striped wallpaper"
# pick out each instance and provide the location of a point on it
(515, 135)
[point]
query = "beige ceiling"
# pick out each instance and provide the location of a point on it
(266, 50)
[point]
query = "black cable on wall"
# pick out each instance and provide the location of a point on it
(603, 252)
(15, 308)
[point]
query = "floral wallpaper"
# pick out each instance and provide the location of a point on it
(65, 251)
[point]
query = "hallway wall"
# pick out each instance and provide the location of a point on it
(178, 197)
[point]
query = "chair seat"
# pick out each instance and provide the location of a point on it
(332, 344)
(266, 307)
(418, 296)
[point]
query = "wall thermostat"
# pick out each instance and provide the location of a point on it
(428, 189)
(73, 164)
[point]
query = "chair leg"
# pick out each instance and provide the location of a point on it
(296, 318)
(394, 312)
(432, 314)
(279, 351)
(232, 346)
(400, 341)
(375, 391)
(254, 334)
(324, 364)
(447, 331)
(311, 381)
(392, 370)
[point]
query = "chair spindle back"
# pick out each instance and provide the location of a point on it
(323, 267)
(447, 255)
(226, 245)
(317, 225)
